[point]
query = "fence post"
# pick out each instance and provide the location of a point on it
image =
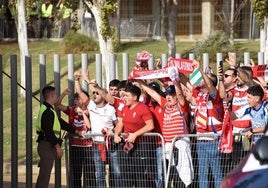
(234, 54)
(42, 67)
(260, 58)
(151, 62)
(57, 86)
(84, 67)
(112, 68)
(205, 61)
(219, 58)
(99, 69)
(29, 123)
(1, 123)
(125, 65)
(14, 121)
(70, 64)
(246, 58)
(164, 58)
(191, 56)
(178, 55)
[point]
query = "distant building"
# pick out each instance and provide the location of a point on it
(196, 18)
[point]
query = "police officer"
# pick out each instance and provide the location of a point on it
(33, 20)
(46, 18)
(49, 139)
(65, 13)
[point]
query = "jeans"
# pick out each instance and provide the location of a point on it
(81, 161)
(136, 166)
(159, 167)
(100, 168)
(208, 156)
(115, 168)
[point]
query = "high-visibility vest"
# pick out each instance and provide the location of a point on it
(66, 11)
(46, 11)
(33, 9)
(56, 125)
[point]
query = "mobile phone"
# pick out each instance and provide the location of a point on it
(221, 66)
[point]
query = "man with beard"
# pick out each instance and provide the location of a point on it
(233, 86)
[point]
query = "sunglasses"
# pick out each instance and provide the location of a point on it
(95, 92)
(227, 75)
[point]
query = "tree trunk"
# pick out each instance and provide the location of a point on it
(22, 40)
(232, 23)
(172, 12)
(106, 47)
(118, 22)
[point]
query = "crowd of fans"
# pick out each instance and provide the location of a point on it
(172, 107)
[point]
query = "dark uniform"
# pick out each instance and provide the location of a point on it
(46, 19)
(48, 128)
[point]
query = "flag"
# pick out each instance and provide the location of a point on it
(196, 77)
(226, 138)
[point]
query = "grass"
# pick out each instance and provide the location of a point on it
(49, 48)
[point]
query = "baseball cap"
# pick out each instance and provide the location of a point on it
(170, 90)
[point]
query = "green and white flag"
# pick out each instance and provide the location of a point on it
(196, 77)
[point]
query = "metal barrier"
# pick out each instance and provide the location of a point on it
(186, 162)
(117, 165)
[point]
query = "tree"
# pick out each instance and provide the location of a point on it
(102, 9)
(230, 15)
(18, 9)
(260, 8)
(170, 9)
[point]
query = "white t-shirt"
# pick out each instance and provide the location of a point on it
(101, 118)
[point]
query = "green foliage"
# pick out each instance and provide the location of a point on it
(260, 8)
(108, 8)
(75, 43)
(214, 43)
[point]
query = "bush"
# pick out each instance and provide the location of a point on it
(74, 43)
(216, 42)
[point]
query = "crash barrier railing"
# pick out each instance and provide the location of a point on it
(190, 160)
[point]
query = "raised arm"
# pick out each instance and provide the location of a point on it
(93, 86)
(150, 91)
(179, 94)
(78, 88)
(59, 104)
(208, 83)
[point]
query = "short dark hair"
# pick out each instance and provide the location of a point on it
(248, 70)
(214, 79)
(256, 91)
(47, 90)
(114, 82)
(122, 84)
(134, 90)
(234, 71)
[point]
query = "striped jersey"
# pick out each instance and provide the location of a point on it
(174, 123)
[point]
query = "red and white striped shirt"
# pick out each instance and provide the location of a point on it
(174, 122)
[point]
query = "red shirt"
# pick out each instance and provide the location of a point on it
(77, 121)
(158, 114)
(118, 105)
(134, 119)
(174, 120)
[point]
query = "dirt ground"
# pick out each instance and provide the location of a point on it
(22, 177)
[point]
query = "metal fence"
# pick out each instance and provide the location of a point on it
(186, 162)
